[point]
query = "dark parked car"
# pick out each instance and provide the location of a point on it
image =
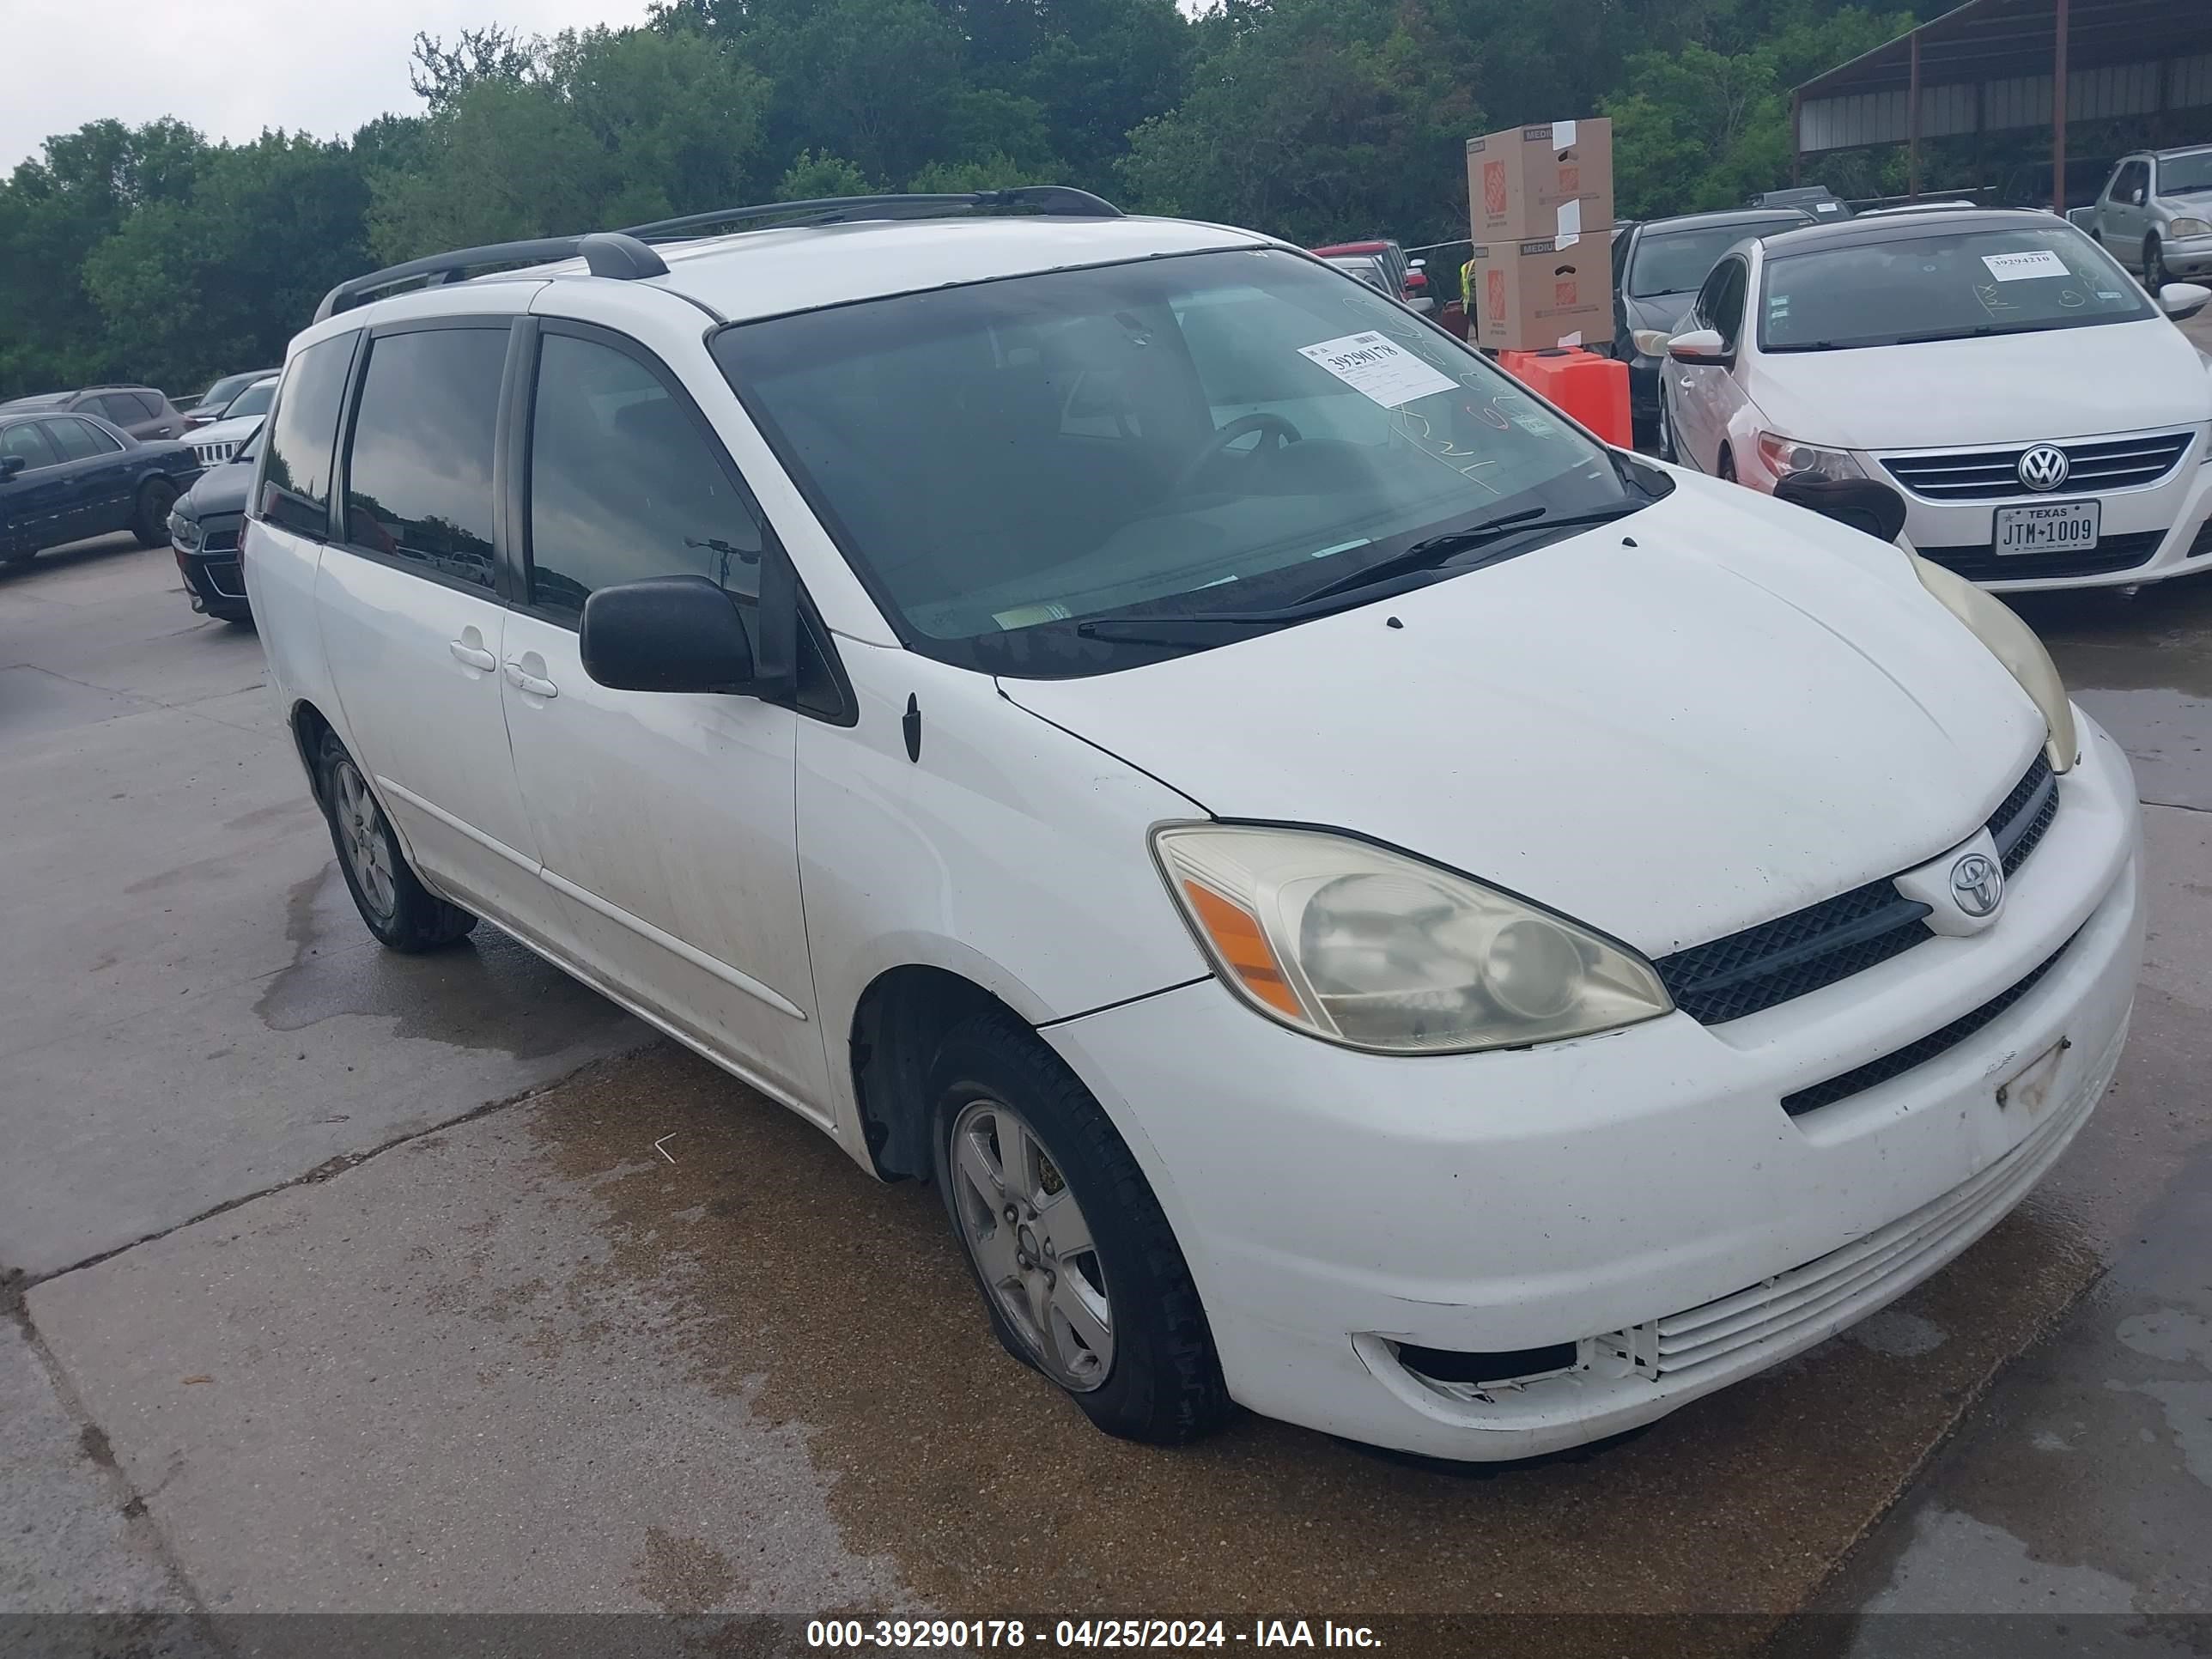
(1818, 200)
(204, 530)
(140, 410)
(1658, 266)
(213, 403)
(64, 477)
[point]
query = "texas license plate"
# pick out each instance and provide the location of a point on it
(2048, 527)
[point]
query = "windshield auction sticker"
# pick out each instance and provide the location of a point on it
(1374, 367)
(2019, 267)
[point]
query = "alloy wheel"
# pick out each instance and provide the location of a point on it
(1032, 1245)
(362, 833)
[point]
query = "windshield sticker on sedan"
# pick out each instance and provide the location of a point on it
(1377, 368)
(2022, 266)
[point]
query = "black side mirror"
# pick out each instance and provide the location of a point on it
(11, 465)
(667, 634)
(1863, 503)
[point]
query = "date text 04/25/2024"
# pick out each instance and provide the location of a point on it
(902, 1634)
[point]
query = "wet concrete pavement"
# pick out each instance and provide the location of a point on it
(519, 1357)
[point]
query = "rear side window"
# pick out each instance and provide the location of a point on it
(418, 474)
(623, 483)
(79, 441)
(295, 474)
(27, 440)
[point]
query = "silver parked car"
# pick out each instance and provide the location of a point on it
(2155, 213)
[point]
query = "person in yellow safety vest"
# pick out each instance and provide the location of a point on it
(1466, 288)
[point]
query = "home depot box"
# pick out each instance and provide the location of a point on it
(1554, 179)
(1541, 293)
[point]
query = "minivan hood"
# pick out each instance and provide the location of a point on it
(1746, 710)
(2008, 388)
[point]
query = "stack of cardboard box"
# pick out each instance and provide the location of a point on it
(1541, 202)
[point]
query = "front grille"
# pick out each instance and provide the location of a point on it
(1899, 1061)
(215, 454)
(1990, 475)
(219, 535)
(1792, 956)
(1981, 562)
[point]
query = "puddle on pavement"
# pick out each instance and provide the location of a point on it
(488, 992)
(829, 1302)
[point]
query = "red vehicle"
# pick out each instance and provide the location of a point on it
(1411, 281)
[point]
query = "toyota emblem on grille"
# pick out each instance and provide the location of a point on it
(2044, 467)
(1977, 884)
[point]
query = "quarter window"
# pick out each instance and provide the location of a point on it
(418, 474)
(295, 475)
(624, 485)
(79, 441)
(27, 440)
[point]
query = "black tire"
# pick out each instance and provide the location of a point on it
(1665, 434)
(1727, 469)
(149, 519)
(2155, 272)
(1165, 1387)
(416, 919)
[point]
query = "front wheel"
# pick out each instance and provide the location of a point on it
(2155, 272)
(403, 914)
(1078, 1270)
(1727, 467)
(149, 519)
(1666, 436)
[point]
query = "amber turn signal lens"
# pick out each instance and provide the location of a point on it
(1239, 943)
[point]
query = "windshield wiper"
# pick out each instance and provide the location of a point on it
(1435, 551)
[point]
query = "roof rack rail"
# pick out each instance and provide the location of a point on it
(626, 255)
(609, 253)
(1062, 199)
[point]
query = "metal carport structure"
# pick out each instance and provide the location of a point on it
(1991, 65)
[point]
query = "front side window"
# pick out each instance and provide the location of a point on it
(294, 488)
(624, 485)
(1678, 261)
(79, 440)
(2128, 182)
(418, 471)
(25, 440)
(1947, 285)
(1009, 463)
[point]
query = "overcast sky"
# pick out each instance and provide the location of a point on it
(233, 67)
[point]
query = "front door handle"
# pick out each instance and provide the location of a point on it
(475, 656)
(536, 684)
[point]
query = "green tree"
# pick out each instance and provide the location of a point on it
(811, 177)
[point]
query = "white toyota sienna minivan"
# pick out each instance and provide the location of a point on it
(1367, 902)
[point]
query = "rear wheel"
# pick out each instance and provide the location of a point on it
(1078, 1269)
(149, 519)
(401, 912)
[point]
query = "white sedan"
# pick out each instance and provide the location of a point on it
(2048, 425)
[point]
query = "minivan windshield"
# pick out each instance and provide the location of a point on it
(1678, 261)
(1949, 284)
(1211, 438)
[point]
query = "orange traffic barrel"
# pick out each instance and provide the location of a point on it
(1591, 388)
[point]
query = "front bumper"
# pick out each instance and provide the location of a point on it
(2189, 256)
(1641, 1198)
(214, 581)
(2146, 533)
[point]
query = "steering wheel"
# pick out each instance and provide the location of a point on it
(1242, 426)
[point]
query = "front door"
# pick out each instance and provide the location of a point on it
(100, 474)
(666, 821)
(412, 624)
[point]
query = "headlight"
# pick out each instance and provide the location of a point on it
(2192, 228)
(1376, 950)
(1651, 342)
(2015, 645)
(1786, 458)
